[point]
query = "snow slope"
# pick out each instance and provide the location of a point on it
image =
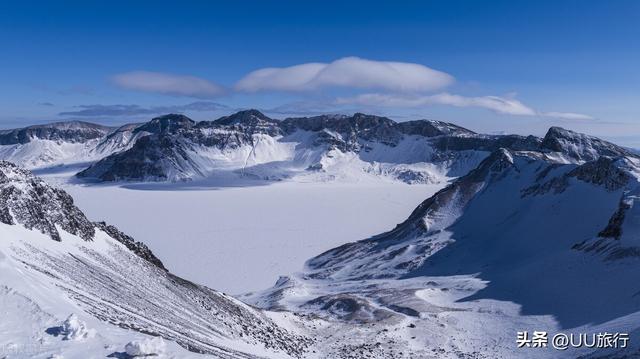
(63, 143)
(56, 262)
(523, 242)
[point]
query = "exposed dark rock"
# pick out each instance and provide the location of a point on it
(349, 308)
(604, 171)
(614, 226)
(250, 118)
(139, 248)
(29, 201)
(148, 159)
(166, 124)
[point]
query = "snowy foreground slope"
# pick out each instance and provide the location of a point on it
(56, 263)
(249, 145)
(524, 242)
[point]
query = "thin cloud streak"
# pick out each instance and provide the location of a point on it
(168, 84)
(136, 110)
(501, 105)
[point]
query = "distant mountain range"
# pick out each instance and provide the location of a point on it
(251, 145)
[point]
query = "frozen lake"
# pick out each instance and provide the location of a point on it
(240, 239)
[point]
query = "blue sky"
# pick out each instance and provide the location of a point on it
(499, 66)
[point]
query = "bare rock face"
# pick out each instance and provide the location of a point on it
(29, 201)
(605, 171)
(247, 118)
(149, 159)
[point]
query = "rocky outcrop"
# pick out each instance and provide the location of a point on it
(139, 248)
(29, 201)
(605, 171)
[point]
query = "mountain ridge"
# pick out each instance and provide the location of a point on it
(251, 145)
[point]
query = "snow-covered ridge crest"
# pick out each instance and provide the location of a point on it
(318, 148)
(250, 145)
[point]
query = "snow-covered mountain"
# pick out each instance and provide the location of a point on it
(62, 143)
(55, 262)
(535, 240)
(251, 145)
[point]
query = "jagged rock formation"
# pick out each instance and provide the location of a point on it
(29, 201)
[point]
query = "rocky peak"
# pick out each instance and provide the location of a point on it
(167, 124)
(579, 146)
(250, 118)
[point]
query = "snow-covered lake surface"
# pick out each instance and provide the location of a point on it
(240, 239)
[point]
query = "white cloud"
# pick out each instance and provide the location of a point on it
(349, 72)
(502, 105)
(168, 84)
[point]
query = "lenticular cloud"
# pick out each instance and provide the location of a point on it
(351, 72)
